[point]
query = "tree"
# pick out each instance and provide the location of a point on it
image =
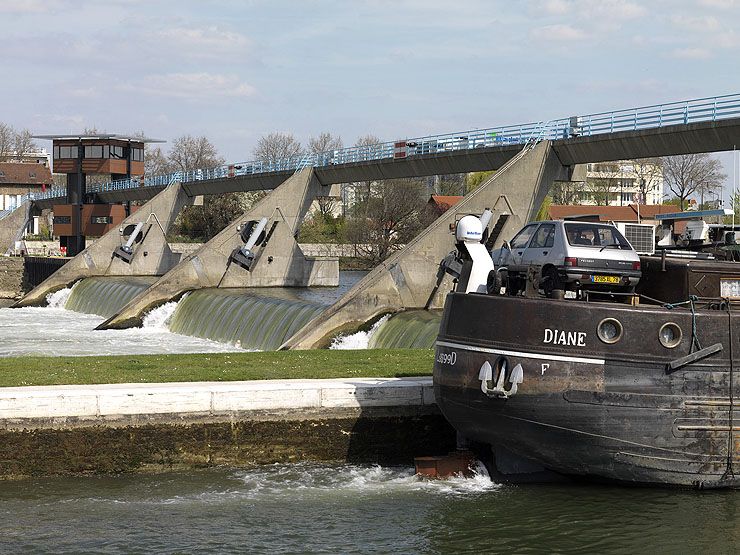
(193, 153)
(7, 138)
(603, 181)
(277, 146)
(566, 192)
(324, 142)
(476, 179)
(387, 219)
(648, 172)
(14, 144)
(24, 143)
(205, 222)
(691, 173)
(155, 161)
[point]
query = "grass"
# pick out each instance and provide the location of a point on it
(21, 371)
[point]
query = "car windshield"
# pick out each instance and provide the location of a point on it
(594, 235)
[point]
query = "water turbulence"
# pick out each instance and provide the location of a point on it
(413, 329)
(241, 318)
(105, 296)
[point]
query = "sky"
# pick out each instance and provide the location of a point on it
(237, 70)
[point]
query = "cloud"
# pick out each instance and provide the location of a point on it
(701, 23)
(555, 7)
(721, 4)
(23, 6)
(193, 86)
(691, 53)
(213, 41)
(558, 32)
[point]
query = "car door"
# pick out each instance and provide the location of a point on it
(538, 251)
(518, 247)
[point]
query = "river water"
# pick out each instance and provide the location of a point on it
(311, 508)
(324, 508)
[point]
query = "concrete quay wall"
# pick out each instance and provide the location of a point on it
(68, 430)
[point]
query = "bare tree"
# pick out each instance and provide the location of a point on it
(324, 142)
(193, 153)
(691, 173)
(277, 146)
(24, 143)
(155, 161)
(7, 139)
(648, 173)
(566, 192)
(603, 182)
(388, 219)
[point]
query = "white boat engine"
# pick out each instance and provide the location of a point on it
(471, 263)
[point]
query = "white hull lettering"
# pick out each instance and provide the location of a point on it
(562, 337)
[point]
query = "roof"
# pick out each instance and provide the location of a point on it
(609, 213)
(102, 136)
(20, 173)
(444, 202)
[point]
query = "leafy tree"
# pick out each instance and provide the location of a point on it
(205, 222)
(688, 174)
(277, 146)
(476, 179)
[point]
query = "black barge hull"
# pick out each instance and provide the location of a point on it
(584, 407)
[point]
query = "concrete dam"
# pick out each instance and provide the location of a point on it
(251, 319)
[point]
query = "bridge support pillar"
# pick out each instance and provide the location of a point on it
(278, 261)
(151, 255)
(407, 279)
(12, 227)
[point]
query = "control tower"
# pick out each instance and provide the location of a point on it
(77, 156)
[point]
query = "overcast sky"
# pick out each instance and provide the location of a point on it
(236, 70)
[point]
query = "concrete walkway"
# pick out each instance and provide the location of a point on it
(109, 401)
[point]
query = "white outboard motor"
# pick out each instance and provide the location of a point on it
(469, 234)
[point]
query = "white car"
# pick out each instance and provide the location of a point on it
(569, 255)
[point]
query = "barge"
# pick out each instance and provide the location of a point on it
(638, 388)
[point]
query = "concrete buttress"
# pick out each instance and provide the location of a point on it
(279, 261)
(12, 227)
(407, 279)
(152, 255)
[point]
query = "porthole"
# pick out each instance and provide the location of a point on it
(670, 335)
(609, 330)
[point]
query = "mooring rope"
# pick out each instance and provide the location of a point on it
(694, 336)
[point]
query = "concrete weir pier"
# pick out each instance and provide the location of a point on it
(62, 430)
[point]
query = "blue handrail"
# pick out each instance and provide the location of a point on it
(645, 117)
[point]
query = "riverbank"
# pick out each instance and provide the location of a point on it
(115, 428)
(222, 367)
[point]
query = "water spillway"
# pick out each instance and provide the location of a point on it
(241, 318)
(413, 329)
(105, 296)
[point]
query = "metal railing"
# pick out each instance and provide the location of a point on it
(645, 117)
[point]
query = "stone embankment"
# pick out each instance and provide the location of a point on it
(11, 277)
(62, 430)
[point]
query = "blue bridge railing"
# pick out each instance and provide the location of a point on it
(645, 117)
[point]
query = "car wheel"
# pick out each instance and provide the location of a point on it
(551, 281)
(493, 283)
(512, 286)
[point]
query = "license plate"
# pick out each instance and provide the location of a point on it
(605, 279)
(729, 288)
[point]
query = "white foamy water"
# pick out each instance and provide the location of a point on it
(59, 298)
(359, 340)
(54, 331)
(159, 318)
